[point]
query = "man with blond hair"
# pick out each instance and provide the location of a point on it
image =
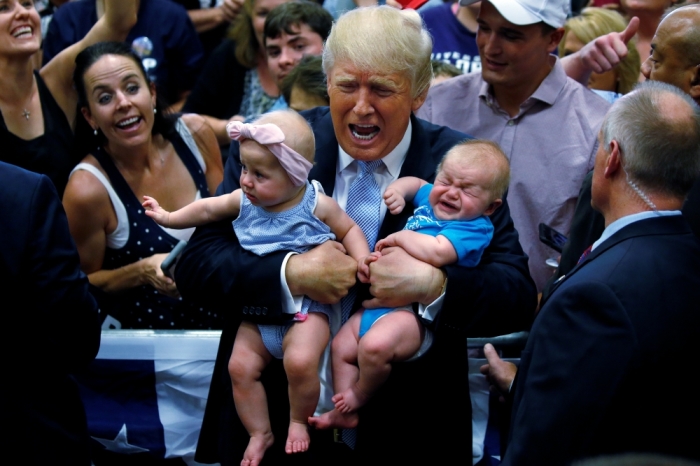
(378, 66)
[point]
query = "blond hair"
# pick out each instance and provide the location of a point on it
(488, 155)
(243, 34)
(297, 131)
(595, 22)
(385, 40)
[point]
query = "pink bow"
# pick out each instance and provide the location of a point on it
(272, 137)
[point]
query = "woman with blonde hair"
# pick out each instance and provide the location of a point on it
(593, 23)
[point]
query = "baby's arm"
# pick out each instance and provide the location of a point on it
(404, 188)
(344, 228)
(434, 250)
(197, 213)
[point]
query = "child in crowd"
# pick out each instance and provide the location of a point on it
(449, 225)
(277, 209)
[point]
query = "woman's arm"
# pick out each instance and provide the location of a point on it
(119, 18)
(208, 146)
(90, 217)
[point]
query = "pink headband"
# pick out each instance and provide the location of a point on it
(271, 136)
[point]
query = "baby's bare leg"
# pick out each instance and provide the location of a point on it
(345, 374)
(393, 338)
(248, 359)
(303, 347)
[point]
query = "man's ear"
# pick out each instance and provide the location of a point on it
(419, 100)
(493, 206)
(695, 85)
(554, 38)
(613, 161)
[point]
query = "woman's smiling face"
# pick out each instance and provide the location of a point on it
(120, 101)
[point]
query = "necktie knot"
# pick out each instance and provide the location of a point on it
(369, 167)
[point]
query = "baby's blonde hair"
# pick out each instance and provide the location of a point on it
(297, 132)
(488, 155)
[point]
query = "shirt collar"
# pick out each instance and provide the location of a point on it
(620, 223)
(392, 161)
(547, 92)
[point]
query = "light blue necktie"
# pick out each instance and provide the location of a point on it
(363, 206)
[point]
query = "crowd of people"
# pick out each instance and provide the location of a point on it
(357, 219)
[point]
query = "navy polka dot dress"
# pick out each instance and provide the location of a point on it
(144, 307)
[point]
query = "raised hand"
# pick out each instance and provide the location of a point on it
(155, 211)
(394, 201)
(606, 52)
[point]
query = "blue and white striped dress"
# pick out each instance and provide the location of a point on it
(296, 229)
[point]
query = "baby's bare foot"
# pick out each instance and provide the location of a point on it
(334, 419)
(349, 401)
(297, 438)
(257, 446)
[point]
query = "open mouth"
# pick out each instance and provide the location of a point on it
(22, 31)
(448, 206)
(128, 123)
(364, 132)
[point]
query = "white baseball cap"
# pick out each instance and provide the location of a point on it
(524, 12)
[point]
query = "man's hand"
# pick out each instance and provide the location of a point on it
(324, 274)
(600, 55)
(398, 279)
(606, 52)
(499, 373)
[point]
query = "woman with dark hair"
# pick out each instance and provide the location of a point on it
(236, 82)
(138, 151)
(39, 107)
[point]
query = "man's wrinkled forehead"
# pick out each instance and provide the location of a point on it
(373, 79)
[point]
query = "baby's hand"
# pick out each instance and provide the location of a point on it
(386, 242)
(155, 211)
(363, 266)
(394, 201)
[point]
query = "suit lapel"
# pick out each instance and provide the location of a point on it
(326, 160)
(418, 163)
(652, 226)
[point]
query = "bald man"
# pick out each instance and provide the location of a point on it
(593, 378)
(675, 59)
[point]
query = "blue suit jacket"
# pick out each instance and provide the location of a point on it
(599, 372)
(48, 309)
(496, 297)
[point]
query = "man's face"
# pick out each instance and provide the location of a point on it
(285, 51)
(370, 111)
(666, 62)
(512, 55)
